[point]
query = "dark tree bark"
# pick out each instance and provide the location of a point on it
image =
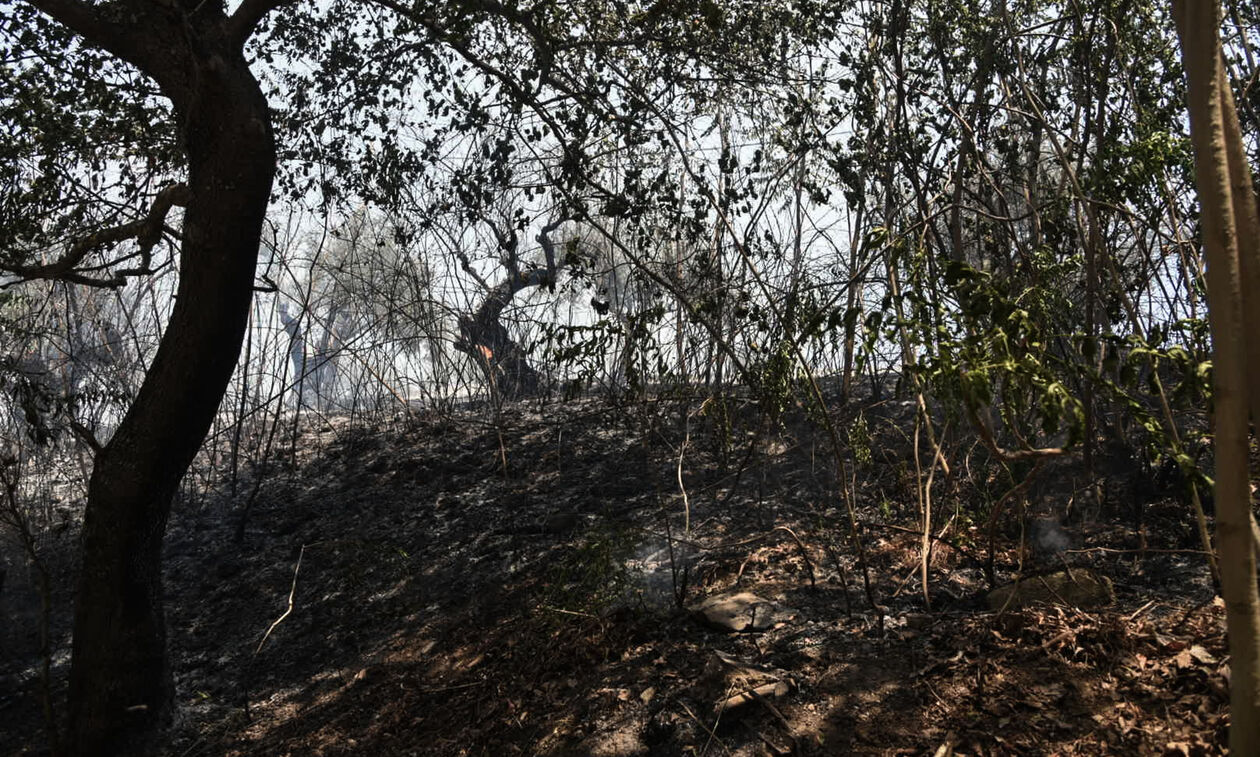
(484, 338)
(121, 686)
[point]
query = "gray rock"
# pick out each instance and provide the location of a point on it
(742, 612)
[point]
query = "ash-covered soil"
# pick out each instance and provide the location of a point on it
(518, 582)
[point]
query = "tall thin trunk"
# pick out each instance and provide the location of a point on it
(235, 452)
(1228, 218)
(680, 278)
(717, 272)
(851, 301)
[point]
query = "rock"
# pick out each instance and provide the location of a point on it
(744, 611)
(1079, 588)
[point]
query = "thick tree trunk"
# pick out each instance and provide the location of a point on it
(1230, 230)
(120, 679)
(503, 362)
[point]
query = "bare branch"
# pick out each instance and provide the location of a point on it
(146, 231)
(549, 247)
(1009, 456)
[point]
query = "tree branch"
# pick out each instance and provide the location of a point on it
(1009, 456)
(90, 23)
(549, 247)
(146, 231)
(245, 20)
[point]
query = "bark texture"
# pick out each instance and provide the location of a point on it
(485, 339)
(121, 686)
(1228, 216)
(482, 335)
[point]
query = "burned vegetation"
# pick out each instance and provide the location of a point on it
(664, 577)
(628, 378)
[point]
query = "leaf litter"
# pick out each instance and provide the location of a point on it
(520, 584)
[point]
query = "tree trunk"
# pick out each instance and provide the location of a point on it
(121, 686)
(507, 371)
(1228, 223)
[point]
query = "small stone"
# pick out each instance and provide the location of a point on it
(744, 611)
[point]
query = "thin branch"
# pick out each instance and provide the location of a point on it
(1029, 453)
(289, 609)
(146, 231)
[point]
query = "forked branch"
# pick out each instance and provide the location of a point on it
(146, 231)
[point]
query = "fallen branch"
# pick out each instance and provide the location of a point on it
(712, 733)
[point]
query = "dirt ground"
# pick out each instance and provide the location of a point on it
(519, 583)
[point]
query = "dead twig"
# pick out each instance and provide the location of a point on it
(682, 487)
(1015, 491)
(1112, 550)
(292, 590)
(787, 727)
(454, 687)
(570, 612)
(813, 584)
(712, 735)
(844, 578)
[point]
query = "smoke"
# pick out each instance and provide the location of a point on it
(1047, 537)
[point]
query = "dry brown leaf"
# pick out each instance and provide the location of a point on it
(1202, 655)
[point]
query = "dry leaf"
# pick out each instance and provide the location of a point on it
(1202, 655)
